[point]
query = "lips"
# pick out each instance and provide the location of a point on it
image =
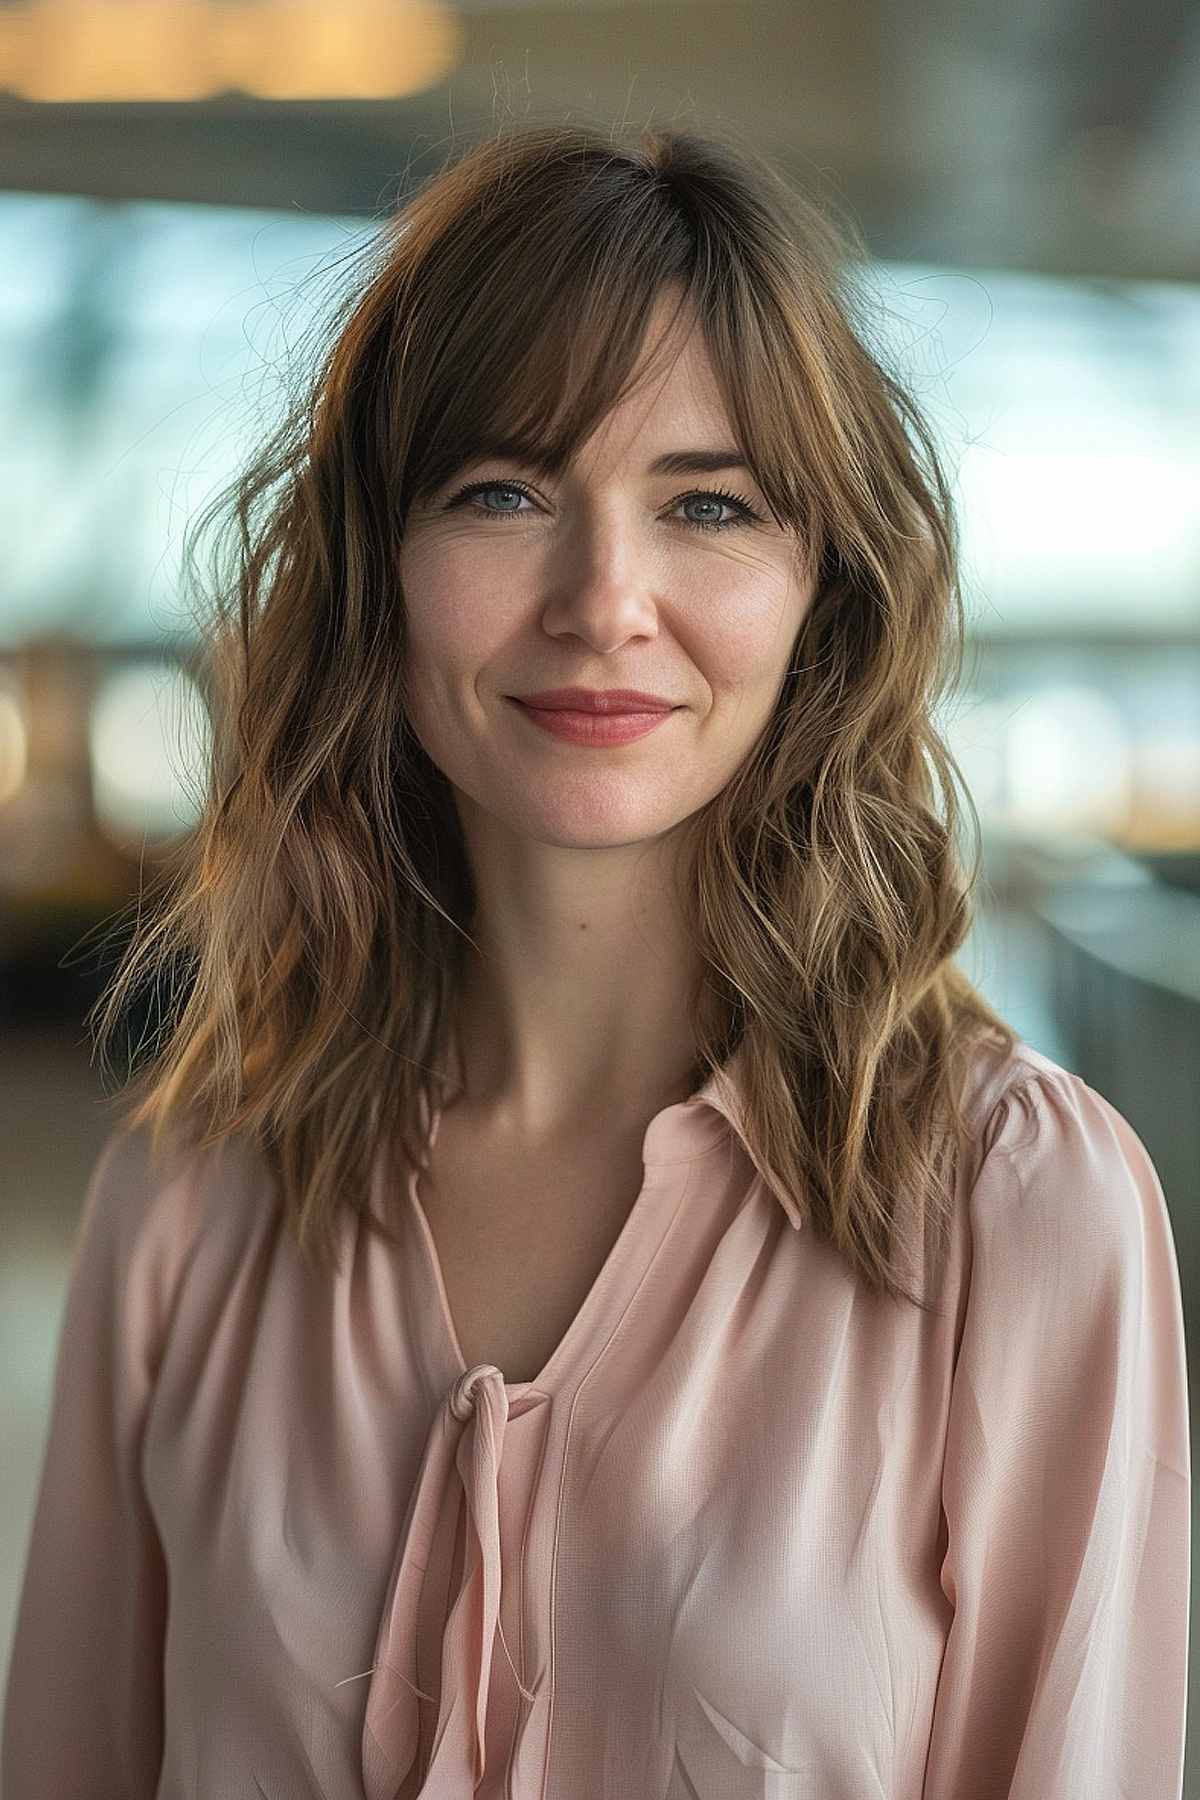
(607, 701)
(596, 730)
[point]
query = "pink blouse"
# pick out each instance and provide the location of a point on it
(751, 1532)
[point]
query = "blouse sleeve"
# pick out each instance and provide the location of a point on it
(83, 1706)
(1066, 1482)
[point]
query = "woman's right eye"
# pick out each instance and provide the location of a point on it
(491, 487)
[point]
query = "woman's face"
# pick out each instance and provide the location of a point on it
(609, 577)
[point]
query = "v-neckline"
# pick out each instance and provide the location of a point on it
(677, 1127)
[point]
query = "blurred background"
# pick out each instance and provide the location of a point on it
(184, 188)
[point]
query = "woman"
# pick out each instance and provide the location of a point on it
(587, 1300)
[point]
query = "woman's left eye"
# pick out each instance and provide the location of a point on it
(744, 513)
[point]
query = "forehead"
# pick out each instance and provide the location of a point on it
(674, 385)
(672, 421)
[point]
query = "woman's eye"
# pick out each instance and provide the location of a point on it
(492, 487)
(713, 499)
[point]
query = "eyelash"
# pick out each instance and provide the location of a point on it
(746, 514)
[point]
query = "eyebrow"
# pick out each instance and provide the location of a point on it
(698, 462)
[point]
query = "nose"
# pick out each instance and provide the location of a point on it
(603, 589)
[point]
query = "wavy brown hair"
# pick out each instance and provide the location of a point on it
(320, 907)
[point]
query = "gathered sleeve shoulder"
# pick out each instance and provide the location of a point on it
(83, 1702)
(1066, 1480)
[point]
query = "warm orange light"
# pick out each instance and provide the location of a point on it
(13, 743)
(192, 49)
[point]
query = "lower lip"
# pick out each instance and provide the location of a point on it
(594, 728)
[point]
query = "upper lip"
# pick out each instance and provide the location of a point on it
(596, 700)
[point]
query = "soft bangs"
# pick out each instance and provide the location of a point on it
(535, 382)
(501, 381)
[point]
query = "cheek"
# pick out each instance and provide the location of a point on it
(450, 642)
(455, 616)
(454, 603)
(744, 651)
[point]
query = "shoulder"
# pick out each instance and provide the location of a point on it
(1060, 1179)
(1070, 1309)
(136, 1203)
(135, 1192)
(144, 1214)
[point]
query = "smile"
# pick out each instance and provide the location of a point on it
(594, 729)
